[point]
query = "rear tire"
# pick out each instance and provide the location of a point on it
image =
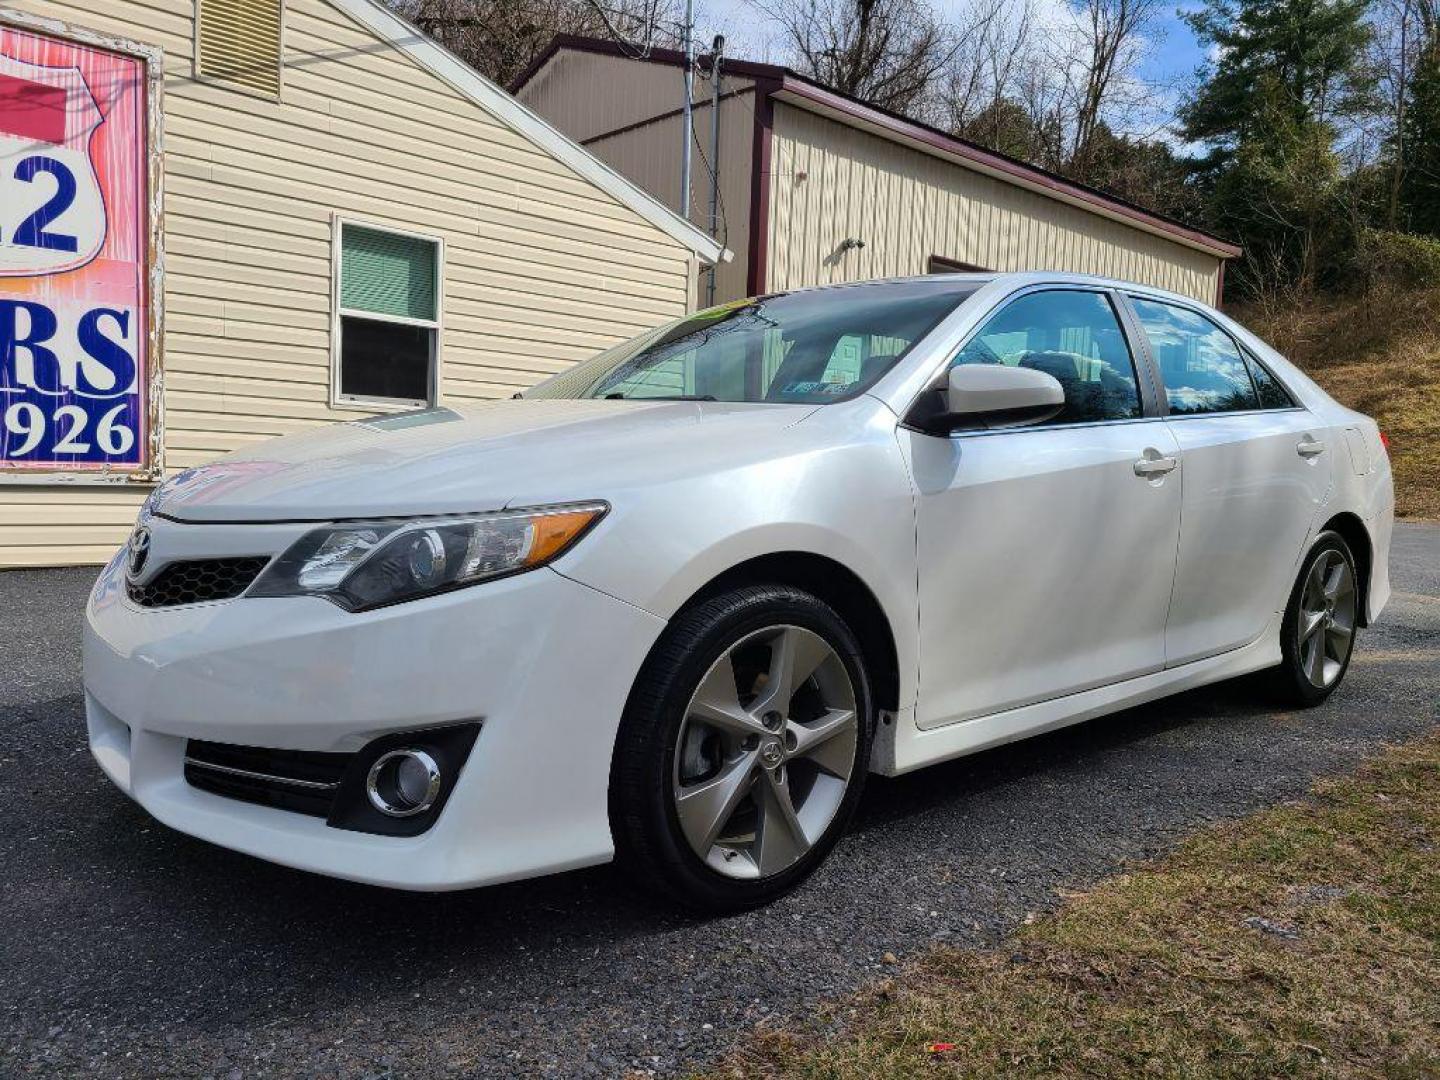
(1317, 634)
(743, 750)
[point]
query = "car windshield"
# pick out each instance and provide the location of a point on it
(805, 347)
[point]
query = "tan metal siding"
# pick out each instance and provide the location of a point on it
(542, 267)
(649, 155)
(907, 205)
(605, 102)
(587, 94)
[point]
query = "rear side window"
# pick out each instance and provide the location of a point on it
(1074, 336)
(1201, 366)
(1272, 394)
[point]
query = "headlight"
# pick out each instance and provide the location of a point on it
(368, 564)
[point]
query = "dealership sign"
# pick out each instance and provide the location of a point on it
(76, 324)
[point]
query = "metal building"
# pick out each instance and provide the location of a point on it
(818, 187)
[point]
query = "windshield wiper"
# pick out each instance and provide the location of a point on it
(618, 396)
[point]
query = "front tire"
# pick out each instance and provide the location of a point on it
(743, 749)
(1317, 635)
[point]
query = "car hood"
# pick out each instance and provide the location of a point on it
(473, 458)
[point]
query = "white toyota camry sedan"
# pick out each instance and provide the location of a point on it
(671, 606)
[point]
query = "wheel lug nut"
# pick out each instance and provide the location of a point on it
(772, 720)
(751, 742)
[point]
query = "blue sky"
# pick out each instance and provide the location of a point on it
(1173, 58)
(1177, 55)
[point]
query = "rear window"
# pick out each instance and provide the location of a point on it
(1200, 364)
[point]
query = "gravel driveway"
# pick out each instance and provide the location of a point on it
(128, 949)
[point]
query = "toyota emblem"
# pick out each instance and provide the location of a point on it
(139, 551)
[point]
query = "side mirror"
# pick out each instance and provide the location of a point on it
(992, 396)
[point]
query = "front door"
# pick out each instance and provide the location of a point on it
(1257, 469)
(1046, 553)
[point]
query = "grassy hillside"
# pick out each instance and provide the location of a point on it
(1380, 354)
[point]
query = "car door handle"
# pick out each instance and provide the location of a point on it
(1310, 447)
(1154, 466)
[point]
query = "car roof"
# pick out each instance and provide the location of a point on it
(1015, 280)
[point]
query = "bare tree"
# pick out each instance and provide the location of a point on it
(1099, 60)
(995, 53)
(501, 37)
(888, 52)
(1404, 30)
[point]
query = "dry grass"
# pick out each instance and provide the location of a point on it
(1304, 941)
(1379, 353)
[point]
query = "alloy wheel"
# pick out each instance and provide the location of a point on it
(1327, 618)
(765, 752)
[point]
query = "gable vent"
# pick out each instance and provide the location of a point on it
(238, 42)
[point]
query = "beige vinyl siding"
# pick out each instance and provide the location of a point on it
(907, 205)
(542, 268)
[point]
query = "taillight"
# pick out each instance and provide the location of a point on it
(1385, 442)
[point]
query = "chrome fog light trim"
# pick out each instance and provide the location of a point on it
(403, 783)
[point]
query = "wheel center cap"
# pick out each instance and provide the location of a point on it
(771, 753)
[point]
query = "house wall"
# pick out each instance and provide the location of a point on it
(621, 111)
(541, 267)
(907, 205)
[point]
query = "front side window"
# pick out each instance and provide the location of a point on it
(1074, 336)
(389, 316)
(1200, 364)
(807, 347)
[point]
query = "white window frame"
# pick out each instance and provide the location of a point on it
(340, 400)
(240, 88)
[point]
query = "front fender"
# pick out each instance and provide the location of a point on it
(850, 501)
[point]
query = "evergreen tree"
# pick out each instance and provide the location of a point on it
(1287, 71)
(1309, 53)
(1420, 186)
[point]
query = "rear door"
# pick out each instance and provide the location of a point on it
(1046, 553)
(1257, 469)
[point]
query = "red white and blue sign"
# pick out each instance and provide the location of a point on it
(74, 257)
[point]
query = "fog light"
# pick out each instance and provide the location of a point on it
(403, 783)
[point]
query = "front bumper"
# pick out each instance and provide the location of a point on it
(542, 662)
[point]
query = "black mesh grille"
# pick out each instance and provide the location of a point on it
(197, 580)
(303, 781)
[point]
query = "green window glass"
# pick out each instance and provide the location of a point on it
(387, 274)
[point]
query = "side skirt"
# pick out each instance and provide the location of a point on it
(901, 747)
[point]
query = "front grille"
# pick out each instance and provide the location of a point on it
(197, 580)
(304, 781)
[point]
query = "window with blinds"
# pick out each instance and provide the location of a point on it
(387, 274)
(238, 42)
(389, 316)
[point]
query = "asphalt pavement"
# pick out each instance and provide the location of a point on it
(127, 949)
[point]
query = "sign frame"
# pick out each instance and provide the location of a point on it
(153, 59)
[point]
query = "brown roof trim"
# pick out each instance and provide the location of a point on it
(813, 93)
(656, 55)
